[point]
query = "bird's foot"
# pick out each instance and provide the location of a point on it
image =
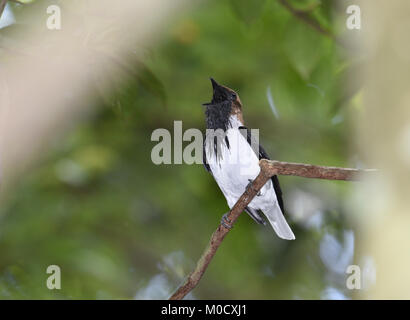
(249, 186)
(226, 222)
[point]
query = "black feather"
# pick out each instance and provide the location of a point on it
(204, 160)
(217, 115)
(263, 155)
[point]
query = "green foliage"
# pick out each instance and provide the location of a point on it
(112, 220)
(246, 10)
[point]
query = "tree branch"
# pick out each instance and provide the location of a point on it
(268, 169)
(2, 6)
(305, 17)
(4, 2)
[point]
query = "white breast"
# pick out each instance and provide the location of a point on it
(234, 168)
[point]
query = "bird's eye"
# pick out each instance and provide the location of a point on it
(233, 95)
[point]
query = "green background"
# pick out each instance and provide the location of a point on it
(119, 226)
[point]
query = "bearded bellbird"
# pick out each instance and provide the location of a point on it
(233, 163)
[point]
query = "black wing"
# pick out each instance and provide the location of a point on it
(204, 160)
(263, 155)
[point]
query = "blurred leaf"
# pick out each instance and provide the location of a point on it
(303, 47)
(348, 82)
(247, 11)
(151, 82)
(130, 72)
(305, 5)
(2, 6)
(95, 158)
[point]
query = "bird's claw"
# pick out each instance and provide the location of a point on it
(249, 186)
(226, 222)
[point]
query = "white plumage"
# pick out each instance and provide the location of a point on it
(235, 167)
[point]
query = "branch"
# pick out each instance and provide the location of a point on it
(4, 2)
(2, 6)
(305, 17)
(268, 169)
(310, 171)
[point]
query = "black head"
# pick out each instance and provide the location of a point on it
(221, 93)
(220, 108)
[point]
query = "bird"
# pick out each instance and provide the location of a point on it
(230, 156)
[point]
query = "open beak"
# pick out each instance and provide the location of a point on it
(218, 91)
(215, 84)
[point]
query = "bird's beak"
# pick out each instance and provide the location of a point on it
(218, 91)
(217, 88)
(214, 83)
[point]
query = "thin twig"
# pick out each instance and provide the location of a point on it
(305, 17)
(268, 169)
(4, 2)
(2, 6)
(273, 167)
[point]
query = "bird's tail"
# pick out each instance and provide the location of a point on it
(278, 222)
